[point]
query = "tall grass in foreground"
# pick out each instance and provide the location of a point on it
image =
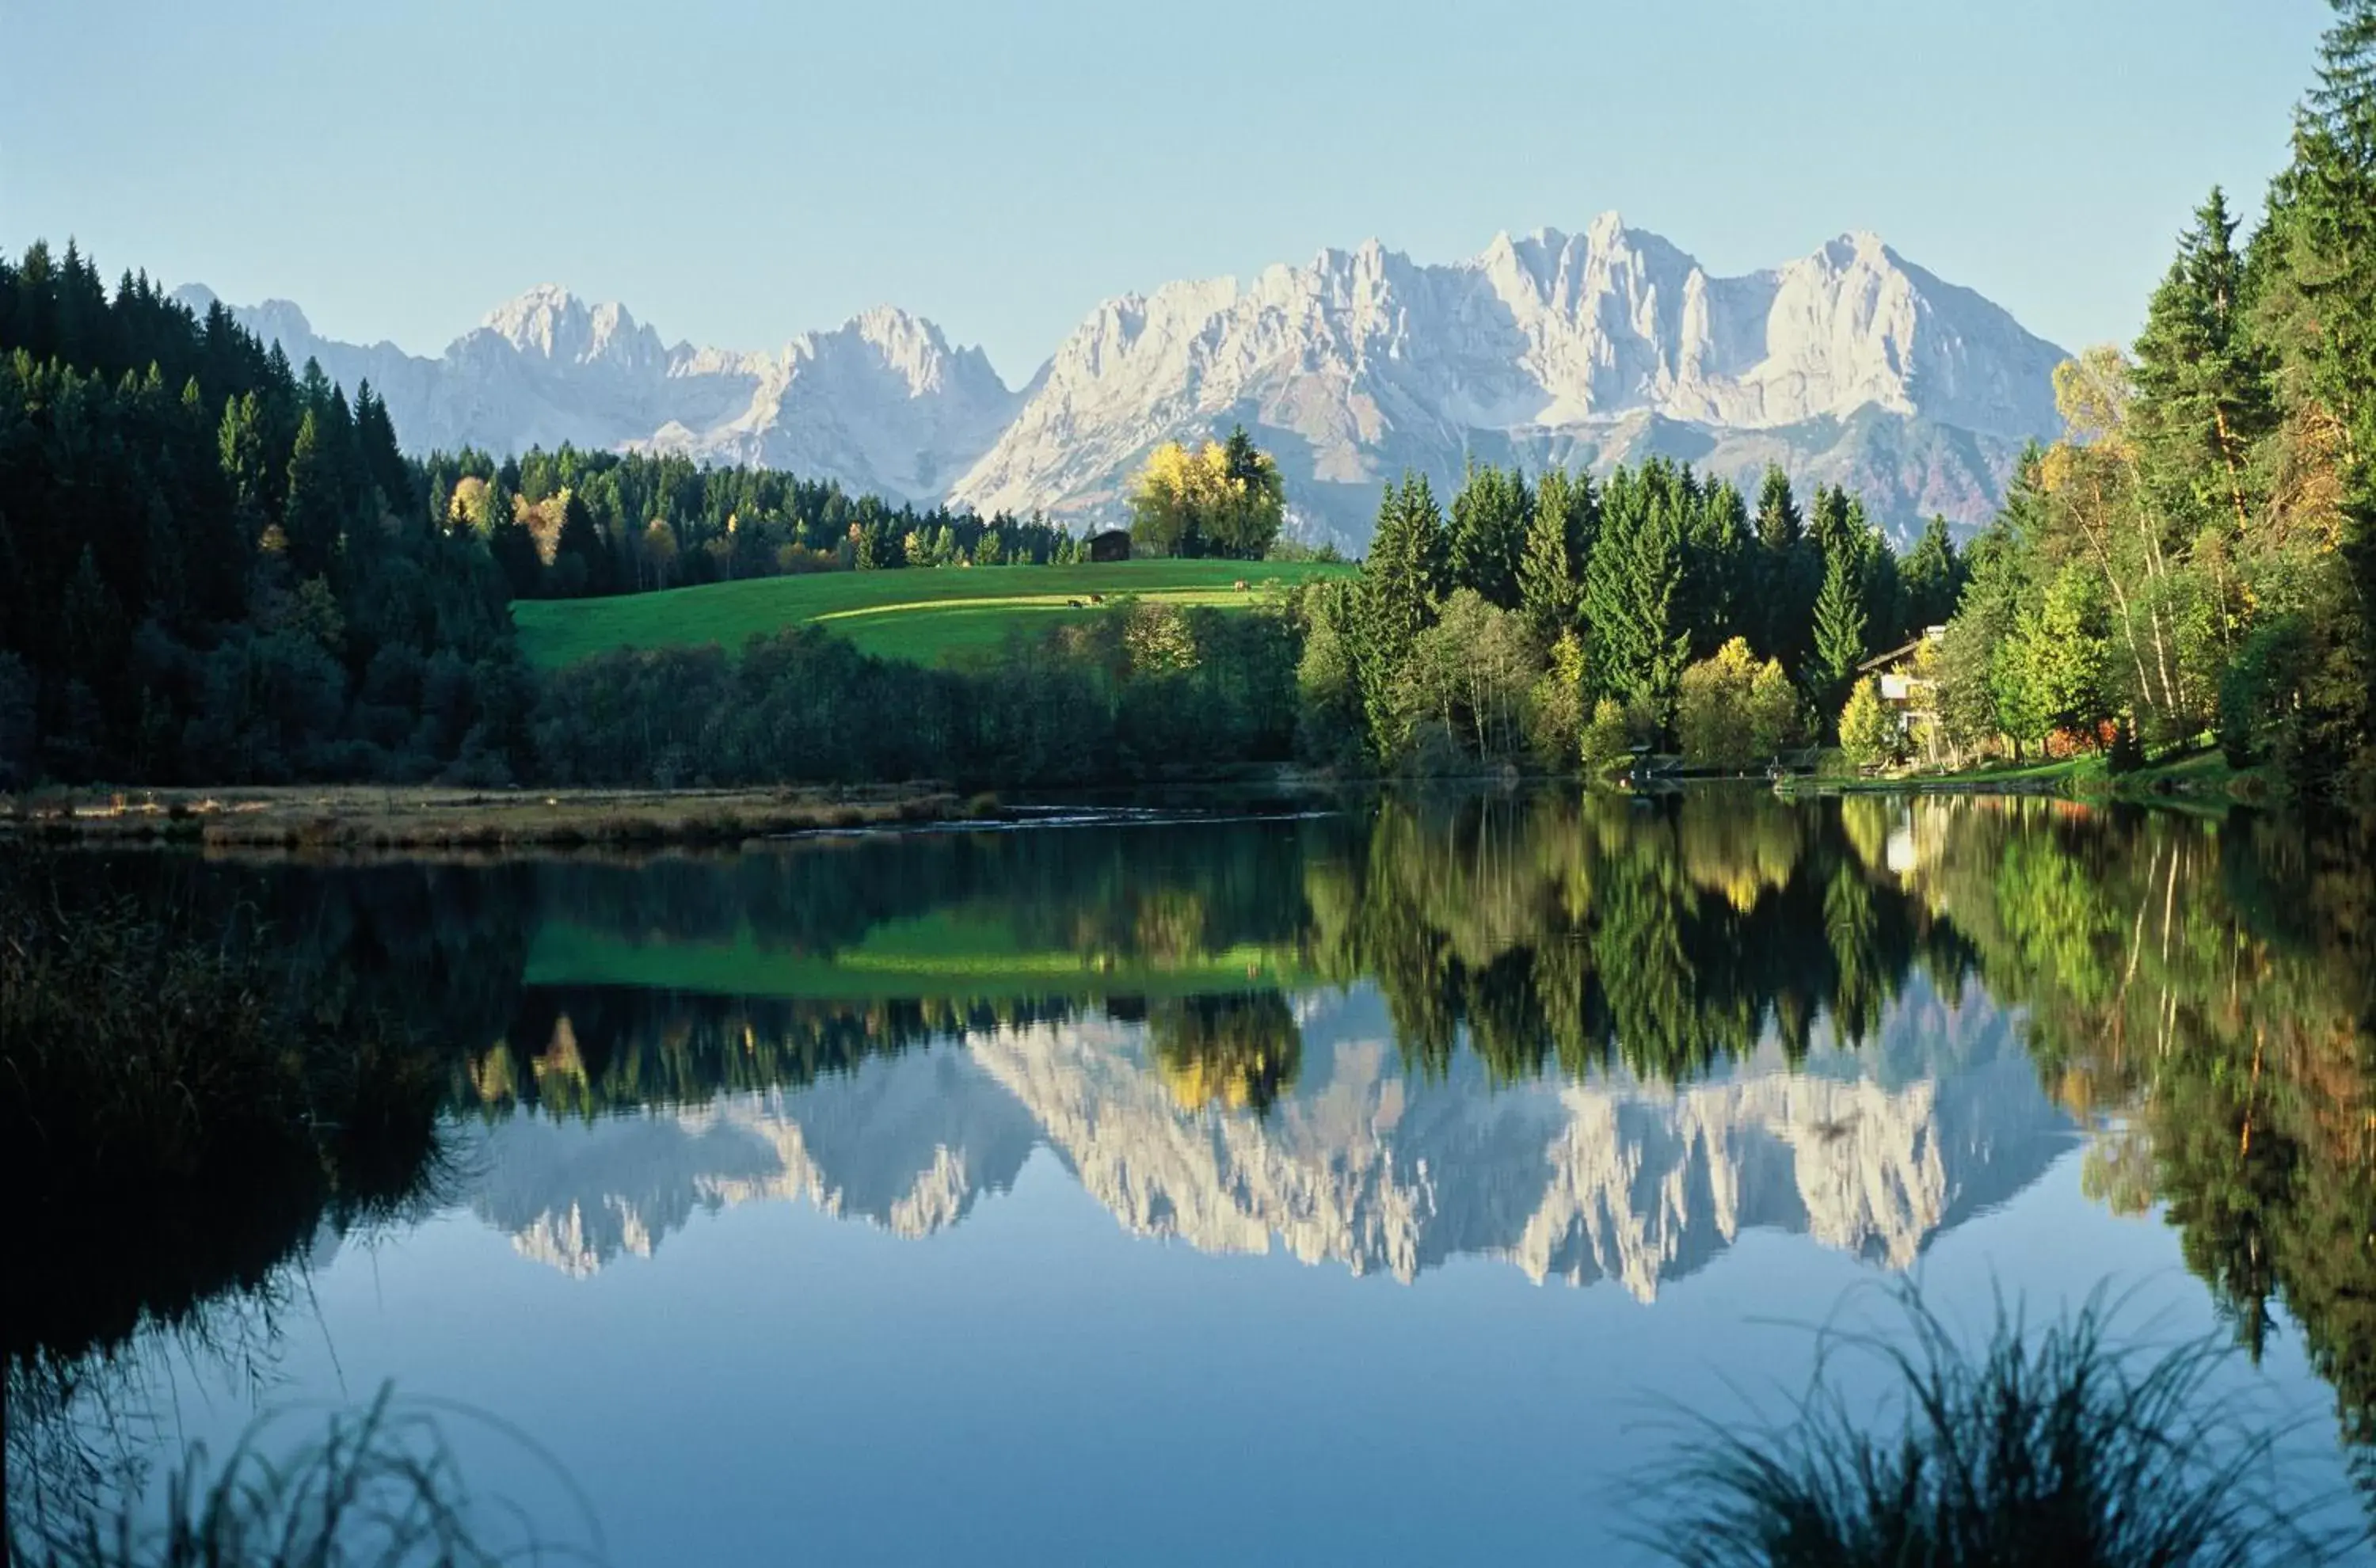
(376, 1490)
(2056, 1447)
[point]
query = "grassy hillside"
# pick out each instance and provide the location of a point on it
(954, 956)
(931, 616)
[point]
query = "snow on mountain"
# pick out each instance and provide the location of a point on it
(1848, 365)
(881, 404)
(1361, 1167)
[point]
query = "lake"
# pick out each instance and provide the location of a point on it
(1390, 1183)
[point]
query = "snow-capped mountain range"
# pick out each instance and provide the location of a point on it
(1363, 1167)
(1848, 366)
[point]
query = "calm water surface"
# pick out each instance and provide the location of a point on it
(1370, 1187)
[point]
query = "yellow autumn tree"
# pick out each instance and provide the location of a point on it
(1225, 498)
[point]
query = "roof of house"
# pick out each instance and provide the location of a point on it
(1928, 635)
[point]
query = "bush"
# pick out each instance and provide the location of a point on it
(1731, 711)
(1869, 730)
(1605, 741)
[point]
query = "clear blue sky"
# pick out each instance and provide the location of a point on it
(737, 172)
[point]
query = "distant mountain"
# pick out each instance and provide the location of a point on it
(881, 404)
(1362, 1166)
(1848, 365)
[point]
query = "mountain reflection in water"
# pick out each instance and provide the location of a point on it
(1362, 1166)
(1594, 1040)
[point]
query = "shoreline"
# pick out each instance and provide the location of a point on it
(417, 817)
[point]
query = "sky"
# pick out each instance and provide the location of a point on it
(739, 173)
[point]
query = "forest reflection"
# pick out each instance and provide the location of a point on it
(2200, 995)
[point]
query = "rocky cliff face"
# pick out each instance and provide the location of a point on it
(882, 404)
(1365, 1169)
(1848, 365)
(1572, 348)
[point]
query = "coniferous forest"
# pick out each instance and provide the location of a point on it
(218, 567)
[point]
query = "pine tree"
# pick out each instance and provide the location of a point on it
(1547, 577)
(1491, 518)
(1632, 590)
(1839, 645)
(1399, 585)
(312, 518)
(2203, 381)
(1715, 549)
(1827, 525)
(1782, 585)
(581, 542)
(1876, 564)
(1931, 578)
(511, 544)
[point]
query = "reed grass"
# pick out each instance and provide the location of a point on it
(2057, 1446)
(375, 1488)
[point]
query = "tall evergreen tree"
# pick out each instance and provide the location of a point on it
(2204, 397)
(1839, 635)
(1489, 521)
(1716, 545)
(1782, 591)
(1548, 579)
(314, 518)
(511, 544)
(1400, 581)
(581, 553)
(1633, 589)
(1931, 578)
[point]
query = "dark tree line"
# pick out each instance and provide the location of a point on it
(1143, 691)
(213, 567)
(570, 524)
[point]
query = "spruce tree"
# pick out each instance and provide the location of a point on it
(1399, 583)
(511, 544)
(2204, 397)
(1717, 547)
(1547, 576)
(1931, 578)
(1489, 522)
(1784, 581)
(580, 542)
(1839, 634)
(313, 516)
(1633, 589)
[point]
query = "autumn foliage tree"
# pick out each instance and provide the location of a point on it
(1225, 498)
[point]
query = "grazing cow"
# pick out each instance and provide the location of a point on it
(1239, 584)
(1074, 603)
(1097, 599)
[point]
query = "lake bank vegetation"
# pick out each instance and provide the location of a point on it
(424, 818)
(2055, 1444)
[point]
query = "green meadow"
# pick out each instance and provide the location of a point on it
(949, 954)
(932, 616)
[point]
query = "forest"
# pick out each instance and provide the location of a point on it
(215, 568)
(2195, 557)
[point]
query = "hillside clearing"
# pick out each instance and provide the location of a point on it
(927, 615)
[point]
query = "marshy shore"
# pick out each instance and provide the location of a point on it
(365, 817)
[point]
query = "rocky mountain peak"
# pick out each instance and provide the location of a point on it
(1848, 366)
